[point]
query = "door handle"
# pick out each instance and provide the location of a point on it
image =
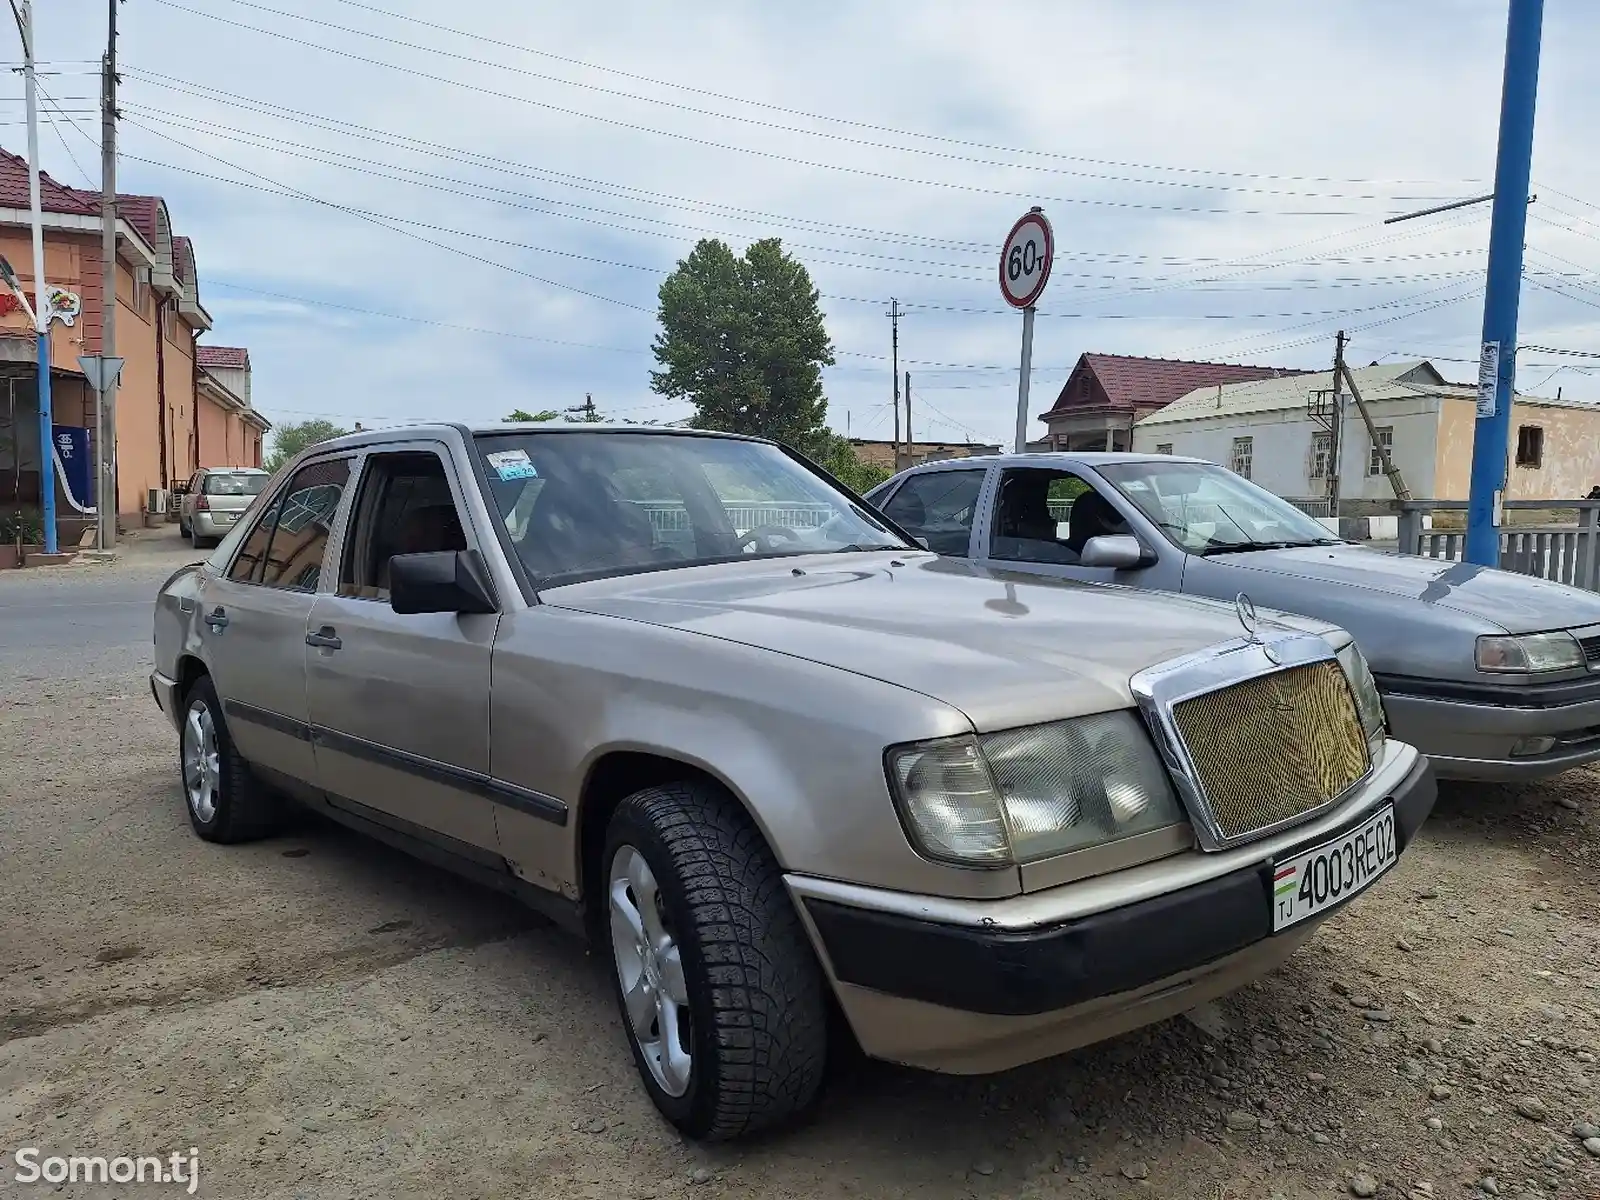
(324, 639)
(216, 618)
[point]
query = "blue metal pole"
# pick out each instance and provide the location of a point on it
(47, 446)
(1508, 226)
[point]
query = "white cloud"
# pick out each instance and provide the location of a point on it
(1251, 92)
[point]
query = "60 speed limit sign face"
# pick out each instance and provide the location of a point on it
(1025, 261)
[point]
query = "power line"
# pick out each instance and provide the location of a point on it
(61, 137)
(856, 123)
(768, 154)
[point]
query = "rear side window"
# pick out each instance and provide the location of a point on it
(287, 545)
(939, 506)
(234, 485)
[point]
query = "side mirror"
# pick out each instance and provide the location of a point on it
(1119, 551)
(440, 581)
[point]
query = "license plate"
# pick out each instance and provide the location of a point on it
(227, 518)
(1319, 879)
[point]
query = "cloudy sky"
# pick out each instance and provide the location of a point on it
(416, 211)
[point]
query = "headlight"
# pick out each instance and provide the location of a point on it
(1530, 652)
(1369, 704)
(1026, 794)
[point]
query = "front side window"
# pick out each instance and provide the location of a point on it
(582, 505)
(1205, 509)
(939, 506)
(285, 548)
(1048, 516)
(405, 506)
(1244, 453)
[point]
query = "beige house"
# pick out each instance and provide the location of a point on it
(1278, 432)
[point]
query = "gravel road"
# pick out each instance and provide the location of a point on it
(322, 1017)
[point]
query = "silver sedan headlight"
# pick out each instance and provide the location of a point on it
(1369, 704)
(1530, 652)
(1024, 794)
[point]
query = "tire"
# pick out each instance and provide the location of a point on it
(756, 1015)
(225, 801)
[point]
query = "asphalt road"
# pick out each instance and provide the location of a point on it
(324, 1018)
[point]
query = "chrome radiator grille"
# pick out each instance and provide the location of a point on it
(1273, 748)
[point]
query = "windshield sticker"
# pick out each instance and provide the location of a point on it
(512, 464)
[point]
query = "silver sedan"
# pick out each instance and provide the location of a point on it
(1489, 673)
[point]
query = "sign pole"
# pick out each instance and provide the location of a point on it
(1497, 368)
(1025, 379)
(1025, 261)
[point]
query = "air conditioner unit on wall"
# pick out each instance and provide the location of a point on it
(157, 501)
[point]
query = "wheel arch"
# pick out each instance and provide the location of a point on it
(618, 773)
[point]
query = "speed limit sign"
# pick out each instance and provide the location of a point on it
(1025, 260)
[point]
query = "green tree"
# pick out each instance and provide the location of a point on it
(839, 458)
(743, 340)
(522, 414)
(288, 440)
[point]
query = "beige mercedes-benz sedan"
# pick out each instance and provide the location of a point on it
(683, 692)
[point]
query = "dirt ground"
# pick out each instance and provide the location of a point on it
(322, 1017)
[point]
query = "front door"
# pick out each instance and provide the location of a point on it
(253, 619)
(1042, 519)
(400, 703)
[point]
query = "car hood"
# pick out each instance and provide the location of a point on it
(1503, 599)
(1004, 649)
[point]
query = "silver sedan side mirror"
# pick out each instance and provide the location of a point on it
(1119, 551)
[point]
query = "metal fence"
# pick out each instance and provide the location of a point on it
(1567, 552)
(1320, 506)
(668, 516)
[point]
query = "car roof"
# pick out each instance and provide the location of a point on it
(234, 471)
(1043, 458)
(368, 437)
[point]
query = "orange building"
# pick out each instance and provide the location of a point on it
(180, 405)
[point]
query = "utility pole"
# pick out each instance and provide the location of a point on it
(23, 11)
(1336, 430)
(1497, 369)
(1396, 481)
(894, 373)
(911, 442)
(105, 434)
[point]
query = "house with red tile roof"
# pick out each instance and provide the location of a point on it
(174, 414)
(1107, 393)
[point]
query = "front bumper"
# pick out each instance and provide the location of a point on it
(974, 986)
(1471, 735)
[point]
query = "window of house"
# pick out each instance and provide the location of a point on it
(1164, 448)
(1384, 439)
(1530, 446)
(141, 291)
(406, 506)
(1321, 455)
(1244, 452)
(286, 547)
(938, 507)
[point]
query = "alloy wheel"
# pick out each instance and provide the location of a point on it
(650, 971)
(201, 767)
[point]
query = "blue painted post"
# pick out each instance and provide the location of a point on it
(47, 444)
(1513, 166)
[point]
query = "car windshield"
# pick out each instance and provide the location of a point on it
(1207, 509)
(582, 505)
(234, 485)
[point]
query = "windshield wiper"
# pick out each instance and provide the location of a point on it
(858, 548)
(1241, 547)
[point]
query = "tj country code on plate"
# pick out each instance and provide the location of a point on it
(1316, 880)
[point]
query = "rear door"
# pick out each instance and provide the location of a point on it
(399, 704)
(253, 618)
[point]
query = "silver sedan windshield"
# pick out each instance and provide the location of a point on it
(1207, 509)
(581, 505)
